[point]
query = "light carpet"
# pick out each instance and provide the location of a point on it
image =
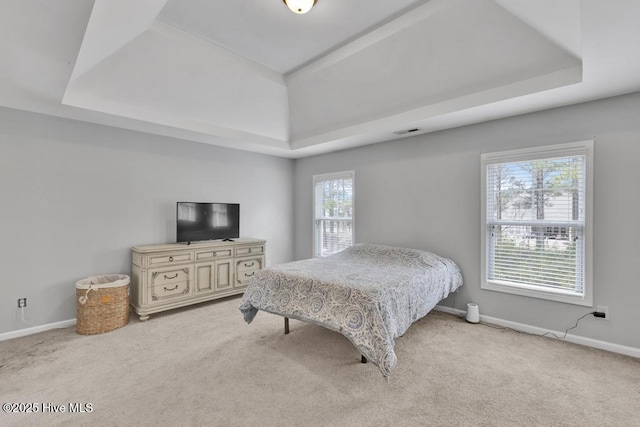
(204, 366)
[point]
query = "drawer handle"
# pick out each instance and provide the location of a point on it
(249, 275)
(214, 254)
(249, 265)
(170, 259)
(172, 289)
(172, 277)
(249, 250)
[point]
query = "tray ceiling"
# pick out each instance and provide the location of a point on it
(254, 76)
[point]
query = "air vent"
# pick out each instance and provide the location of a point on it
(404, 132)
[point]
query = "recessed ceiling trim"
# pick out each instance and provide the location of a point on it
(537, 84)
(153, 117)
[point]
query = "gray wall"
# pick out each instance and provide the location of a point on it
(76, 196)
(430, 184)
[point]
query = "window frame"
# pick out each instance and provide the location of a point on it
(585, 148)
(327, 177)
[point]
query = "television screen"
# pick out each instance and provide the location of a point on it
(207, 221)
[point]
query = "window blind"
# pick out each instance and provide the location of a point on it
(333, 213)
(535, 213)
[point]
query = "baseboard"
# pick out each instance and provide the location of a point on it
(450, 310)
(575, 339)
(37, 329)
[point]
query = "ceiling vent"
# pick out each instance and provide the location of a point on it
(404, 132)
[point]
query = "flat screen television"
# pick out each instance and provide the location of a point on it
(207, 221)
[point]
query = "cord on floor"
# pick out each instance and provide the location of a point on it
(488, 325)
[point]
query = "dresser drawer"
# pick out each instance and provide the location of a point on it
(170, 258)
(246, 268)
(250, 250)
(170, 291)
(245, 277)
(210, 254)
(249, 264)
(167, 276)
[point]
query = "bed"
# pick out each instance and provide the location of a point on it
(369, 293)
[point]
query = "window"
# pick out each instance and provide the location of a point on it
(536, 220)
(333, 212)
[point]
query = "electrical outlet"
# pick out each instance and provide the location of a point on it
(603, 309)
(22, 302)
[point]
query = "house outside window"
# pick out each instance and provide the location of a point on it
(537, 222)
(333, 219)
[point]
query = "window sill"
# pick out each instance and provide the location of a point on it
(551, 294)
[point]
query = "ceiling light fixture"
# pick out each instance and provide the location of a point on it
(300, 6)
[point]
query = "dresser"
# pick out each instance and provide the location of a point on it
(168, 276)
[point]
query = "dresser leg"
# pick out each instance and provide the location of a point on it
(144, 317)
(363, 359)
(286, 325)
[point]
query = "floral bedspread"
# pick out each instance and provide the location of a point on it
(369, 293)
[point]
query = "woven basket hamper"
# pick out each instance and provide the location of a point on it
(102, 304)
